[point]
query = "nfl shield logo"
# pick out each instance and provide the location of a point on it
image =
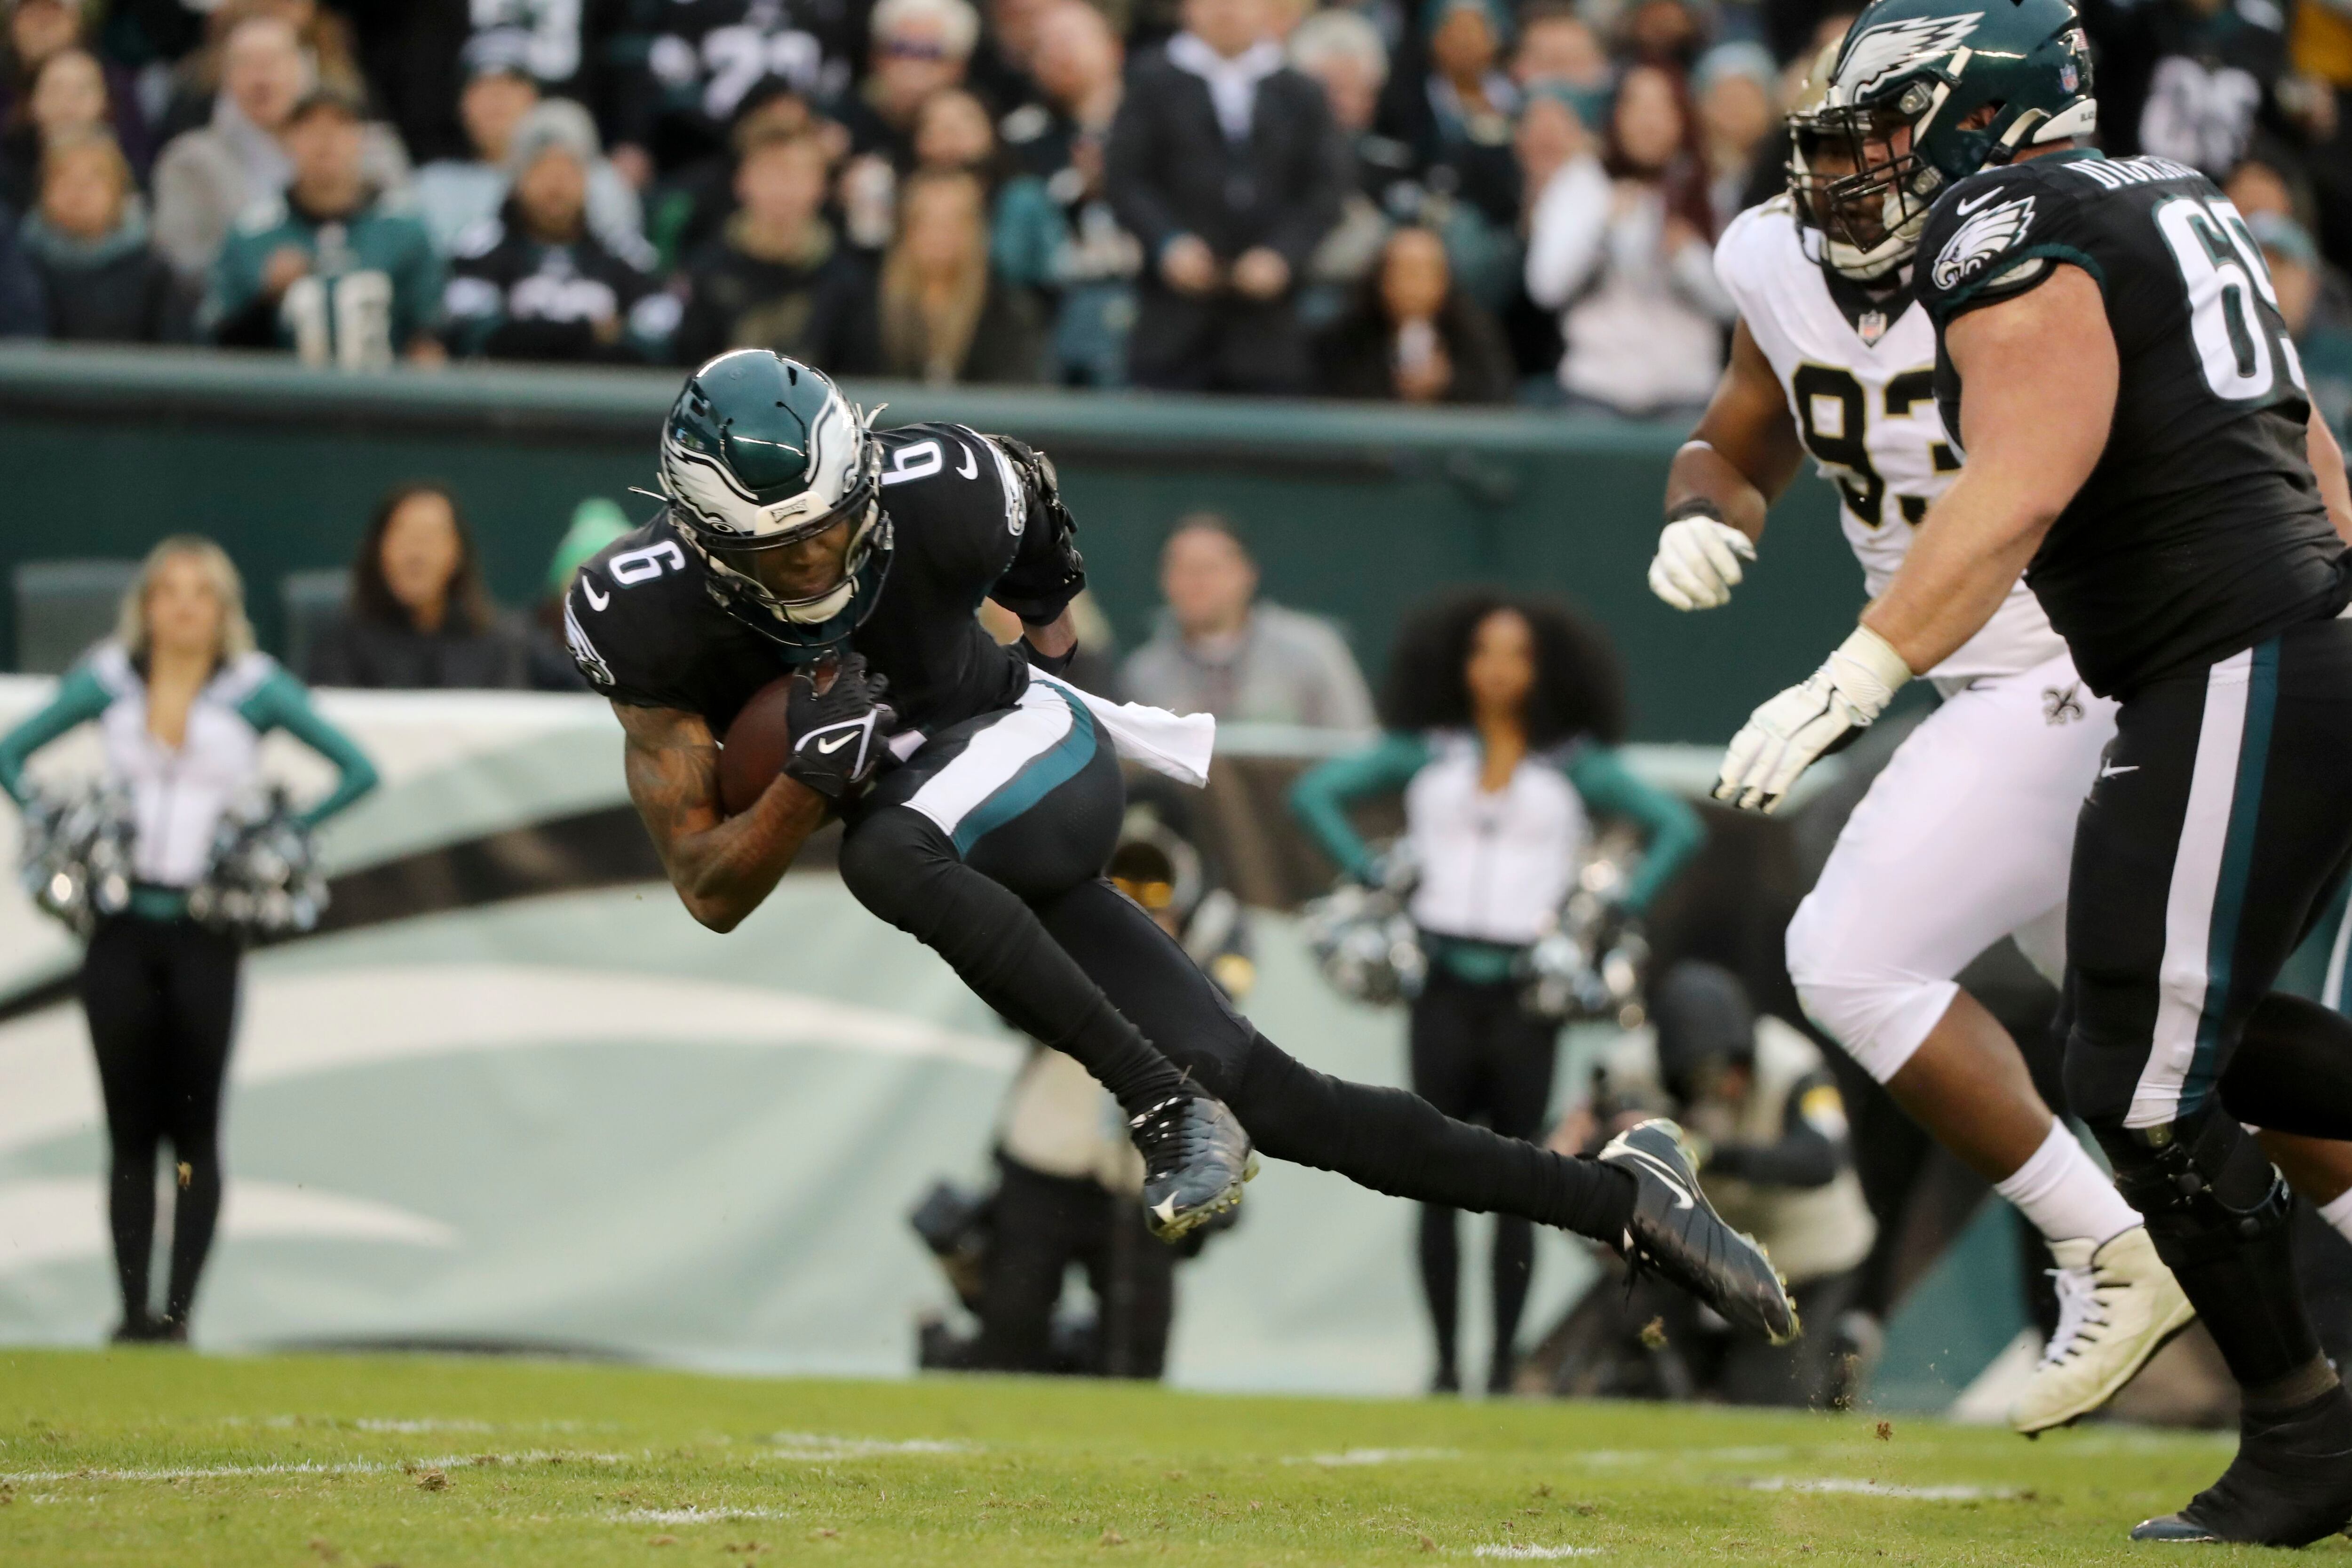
(1873, 326)
(2069, 79)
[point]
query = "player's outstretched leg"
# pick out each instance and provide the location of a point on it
(1641, 1199)
(1979, 804)
(904, 868)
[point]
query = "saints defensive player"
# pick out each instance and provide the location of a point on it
(796, 538)
(1965, 837)
(2139, 443)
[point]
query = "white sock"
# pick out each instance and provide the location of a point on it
(2338, 1212)
(2065, 1194)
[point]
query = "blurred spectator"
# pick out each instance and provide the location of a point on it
(704, 59)
(419, 54)
(1413, 336)
(2187, 80)
(1004, 63)
(330, 270)
(942, 316)
(687, 209)
(952, 133)
(208, 178)
(1342, 54)
(1759, 1102)
(1735, 85)
(533, 282)
(1458, 119)
(1053, 231)
(452, 194)
(41, 30)
(1621, 248)
(780, 277)
(100, 279)
(320, 34)
(2318, 314)
(919, 47)
(419, 617)
(1557, 45)
(69, 99)
(1669, 33)
(1218, 649)
(1076, 64)
(1225, 164)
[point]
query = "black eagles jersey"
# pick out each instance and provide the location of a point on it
(644, 628)
(2202, 530)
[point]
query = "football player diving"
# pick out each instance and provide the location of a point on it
(981, 797)
(2140, 444)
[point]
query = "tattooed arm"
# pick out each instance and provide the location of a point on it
(721, 866)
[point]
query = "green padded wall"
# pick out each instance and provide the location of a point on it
(1355, 512)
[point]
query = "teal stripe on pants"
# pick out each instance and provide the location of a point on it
(2237, 864)
(1047, 772)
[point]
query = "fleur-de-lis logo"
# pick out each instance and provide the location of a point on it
(2061, 704)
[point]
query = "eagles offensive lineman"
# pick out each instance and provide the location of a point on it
(1964, 838)
(797, 538)
(2141, 446)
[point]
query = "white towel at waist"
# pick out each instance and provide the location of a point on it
(1177, 744)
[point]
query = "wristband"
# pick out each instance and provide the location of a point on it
(1696, 506)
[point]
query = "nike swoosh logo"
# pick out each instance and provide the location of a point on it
(1665, 1174)
(2108, 772)
(1965, 208)
(829, 747)
(970, 468)
(589, 590)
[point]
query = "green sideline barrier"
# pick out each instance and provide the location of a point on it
(1355, 512)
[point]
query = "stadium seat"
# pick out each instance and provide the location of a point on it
(63, 606)
(310, 600)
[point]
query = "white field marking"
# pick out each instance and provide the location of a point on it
(1656, 1456)
(822, 1445)
(310, 1468)
(1535, 1552)
(1373, 1457)
(387, 1424)
(693, 1515)
(1852, 1486)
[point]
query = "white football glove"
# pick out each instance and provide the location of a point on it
(1804, 723)
(1698, 562)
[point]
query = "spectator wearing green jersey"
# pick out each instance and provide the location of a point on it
(332, 269)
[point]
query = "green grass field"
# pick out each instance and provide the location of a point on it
(152, 1458)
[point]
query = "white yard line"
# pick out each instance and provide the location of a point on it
(1348, 1457)
(1854, 1485)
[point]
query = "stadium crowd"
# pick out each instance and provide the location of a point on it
(1458, 201)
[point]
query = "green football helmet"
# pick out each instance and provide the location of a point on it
(1885, 129)
(760, 451)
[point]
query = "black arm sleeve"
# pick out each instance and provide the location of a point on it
(1047, 572)
(1809, 1154)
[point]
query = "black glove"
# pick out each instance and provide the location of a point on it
(838, 734)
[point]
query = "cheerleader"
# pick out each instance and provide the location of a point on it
(1501, 713)
(181, 699)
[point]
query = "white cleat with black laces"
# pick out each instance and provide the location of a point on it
(2117, 1306)
(1195, 1158)
(1677, 1233)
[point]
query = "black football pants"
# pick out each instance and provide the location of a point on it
(2217, 830)
(988, 846)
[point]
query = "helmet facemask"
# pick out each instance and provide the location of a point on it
(869, 530)
(1867, 202)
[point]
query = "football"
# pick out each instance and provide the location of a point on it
(755, 746)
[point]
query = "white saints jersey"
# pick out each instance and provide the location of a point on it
(1863, 391)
